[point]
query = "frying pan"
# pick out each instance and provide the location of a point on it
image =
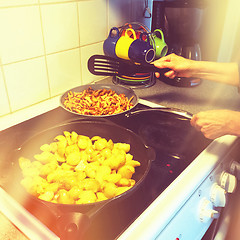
(73, 219)
(118, 89)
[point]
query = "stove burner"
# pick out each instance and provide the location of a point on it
(165, 131)
(161, 135)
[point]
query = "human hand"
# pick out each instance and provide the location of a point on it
(180, 66)
(216, 123)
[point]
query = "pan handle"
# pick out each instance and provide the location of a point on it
(72, 225)
(176, 111)
(86, 119)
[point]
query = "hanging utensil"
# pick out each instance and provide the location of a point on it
(108, 66)
(147, 12)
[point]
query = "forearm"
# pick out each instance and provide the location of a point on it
(215, 71)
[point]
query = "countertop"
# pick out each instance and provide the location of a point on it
(207, 95)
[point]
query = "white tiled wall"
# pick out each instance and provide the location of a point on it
(45, 45)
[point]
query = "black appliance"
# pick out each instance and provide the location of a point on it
(169, 139)
(180, 21)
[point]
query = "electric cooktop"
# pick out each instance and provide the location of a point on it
(175, 144)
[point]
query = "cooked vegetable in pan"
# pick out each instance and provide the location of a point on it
(75, 169)
(97, 102)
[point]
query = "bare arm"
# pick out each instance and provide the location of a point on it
(219, 72)
(213, 123)
(214, 71)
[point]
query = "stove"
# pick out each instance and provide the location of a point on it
(179, 185)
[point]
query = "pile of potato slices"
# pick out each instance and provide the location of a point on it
(76, 169)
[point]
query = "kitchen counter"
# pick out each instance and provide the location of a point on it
(206, 96)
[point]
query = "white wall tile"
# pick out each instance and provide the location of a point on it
(10, 3)
(4, 104)
(60, 26)
(21, 36)
(92, 21)
(64, 71)
(26, 82)
(119, 13)
(86, 53)
(65, 33)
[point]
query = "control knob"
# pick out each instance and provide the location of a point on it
(218, 195)
(235, 169)
(206, 211)
(228, 182)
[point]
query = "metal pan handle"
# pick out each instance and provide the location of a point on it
(166, 109)
(85, 119)
(73, 225)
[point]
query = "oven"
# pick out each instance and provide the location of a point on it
(188, 183)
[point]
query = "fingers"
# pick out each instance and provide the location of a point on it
(170, 74)
(159, 64)
(197, 123)
(162, 64)
(201, 128)
(165, 62)
(194, 123)
(208, 128)
(211, 132)
(157, 74)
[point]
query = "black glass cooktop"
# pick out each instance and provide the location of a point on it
(175, 144)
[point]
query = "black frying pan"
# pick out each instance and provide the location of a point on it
(118, 89)
(71, 219)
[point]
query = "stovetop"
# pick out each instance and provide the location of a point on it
(175, 142)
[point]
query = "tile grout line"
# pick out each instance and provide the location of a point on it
(5, 85)
(44, 49)
(80, 53)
